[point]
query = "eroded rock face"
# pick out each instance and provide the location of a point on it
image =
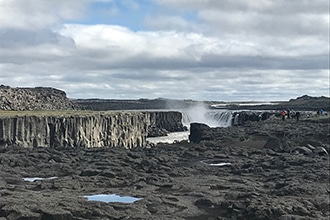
(118, 129)
(163, 122)
(121, 129)
(240, 118)
(39, 98)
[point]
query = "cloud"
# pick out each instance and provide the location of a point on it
(168, 22)
(196, 49)
(267, 6)
(106, 47)
(30, 14)
(16, 38)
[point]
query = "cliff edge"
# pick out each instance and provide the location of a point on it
(30, 99)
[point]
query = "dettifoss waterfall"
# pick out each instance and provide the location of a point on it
(213, 118)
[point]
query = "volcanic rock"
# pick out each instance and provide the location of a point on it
(38, 98)
(86, 129)
(177, 181)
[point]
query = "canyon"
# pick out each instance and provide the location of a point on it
(54, 152)
(86, 129)
(46, 117)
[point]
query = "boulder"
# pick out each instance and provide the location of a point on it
(275, 144)
(197, 132)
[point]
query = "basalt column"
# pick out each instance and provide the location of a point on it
(108, 130)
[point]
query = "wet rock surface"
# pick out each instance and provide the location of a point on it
(262, 170)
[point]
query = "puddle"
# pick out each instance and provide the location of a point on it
(214, 164)
(112, 198)
(218, 164)
(32, 179)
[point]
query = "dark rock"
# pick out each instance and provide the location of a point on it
(204, 203)
(90, 172)
(154, 131)
(197, 131)
(274, 144)
(38, 98)
(240, 118)
(123, 129)
(321, 151)
(263, 181)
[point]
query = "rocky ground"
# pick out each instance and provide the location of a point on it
(263, 170)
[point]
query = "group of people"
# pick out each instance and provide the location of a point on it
(320, 112)
(289, 115)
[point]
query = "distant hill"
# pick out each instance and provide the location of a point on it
(307, 103)
(45, 98)
(303, 103)
(38, 98)
(138, 104)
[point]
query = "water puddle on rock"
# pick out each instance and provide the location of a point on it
(32, 179)
(112, 198)
(215, 163)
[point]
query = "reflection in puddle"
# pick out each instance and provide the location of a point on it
(32, 179)
(112, 198)
(216, 164)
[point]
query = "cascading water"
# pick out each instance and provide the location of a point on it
(200, 114)
(224, 118)
(213, 118)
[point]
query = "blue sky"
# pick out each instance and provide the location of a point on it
(129, 13)
(124, 13)
(189, 49)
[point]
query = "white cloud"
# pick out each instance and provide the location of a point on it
(121, 44)
(196, 49)
(258, 19)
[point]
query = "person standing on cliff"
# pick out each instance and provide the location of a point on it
(283, 113)
(297, 116)
(288, 113)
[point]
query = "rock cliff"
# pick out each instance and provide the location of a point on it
(163, 122)
(93, 129)
(39, 98)
(275, 134)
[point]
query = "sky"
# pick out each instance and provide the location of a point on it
(214, 50)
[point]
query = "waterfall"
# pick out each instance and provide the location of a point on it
(200, 114)
(213, 118)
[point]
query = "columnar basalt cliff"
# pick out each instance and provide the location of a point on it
(109, 129)
(163, 122)
(97, 130)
